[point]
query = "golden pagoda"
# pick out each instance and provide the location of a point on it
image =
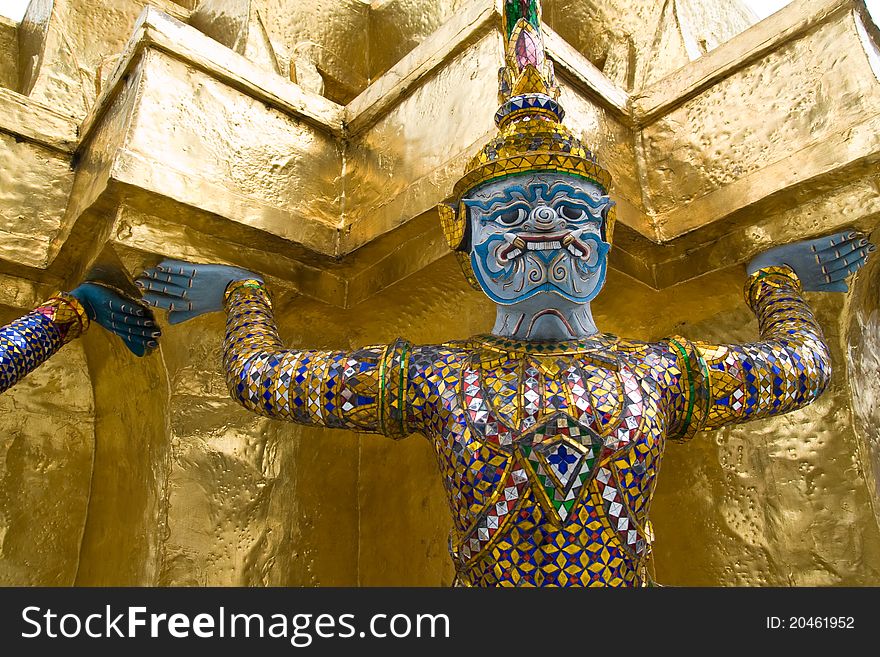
(314, 142)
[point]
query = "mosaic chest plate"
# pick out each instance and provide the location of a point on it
(542, 451)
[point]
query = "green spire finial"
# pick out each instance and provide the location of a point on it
(527, 69)
(530, 10)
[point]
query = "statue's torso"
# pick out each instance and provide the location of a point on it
(549, 458)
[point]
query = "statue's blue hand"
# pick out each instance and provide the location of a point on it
(822, 264)
(128, 318)
(187, 289)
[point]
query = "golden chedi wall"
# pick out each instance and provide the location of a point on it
(311, 142)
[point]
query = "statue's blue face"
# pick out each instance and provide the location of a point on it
(538, 234)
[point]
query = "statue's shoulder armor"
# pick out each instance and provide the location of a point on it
(604, 351)
(644, 355)
(460, 346)
(425, 359)
(629, 346)
(614, 352)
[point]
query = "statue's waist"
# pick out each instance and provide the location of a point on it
(531, 534)
(565, 559)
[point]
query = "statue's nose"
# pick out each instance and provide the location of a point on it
(543, 218)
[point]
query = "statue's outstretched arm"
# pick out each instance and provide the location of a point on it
(791, 366)
(30, 341)
(359, 390)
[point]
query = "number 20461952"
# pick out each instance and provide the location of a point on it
(811, 623)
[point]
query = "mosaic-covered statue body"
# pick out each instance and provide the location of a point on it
(548, 434)
(548, 448)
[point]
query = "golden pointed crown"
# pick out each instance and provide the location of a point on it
(531, 136)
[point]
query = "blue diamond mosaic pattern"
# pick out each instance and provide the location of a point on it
(548, 451)
(30, 341)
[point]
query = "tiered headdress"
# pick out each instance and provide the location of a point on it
(531, 136)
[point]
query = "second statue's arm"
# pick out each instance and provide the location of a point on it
(791, 365)
(359, 390)
(31, 340)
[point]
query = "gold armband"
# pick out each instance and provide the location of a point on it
(772, 277)
(66, 310)
(252, 283)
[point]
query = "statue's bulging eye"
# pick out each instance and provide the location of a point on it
(511, 217)
(571, 213)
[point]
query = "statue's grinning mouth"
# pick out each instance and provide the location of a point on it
(517, 245)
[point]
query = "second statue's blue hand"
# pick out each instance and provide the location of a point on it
(187, 289)
(822, 264)
(128, 318)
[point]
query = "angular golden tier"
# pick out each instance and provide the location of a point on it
(194, 150)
